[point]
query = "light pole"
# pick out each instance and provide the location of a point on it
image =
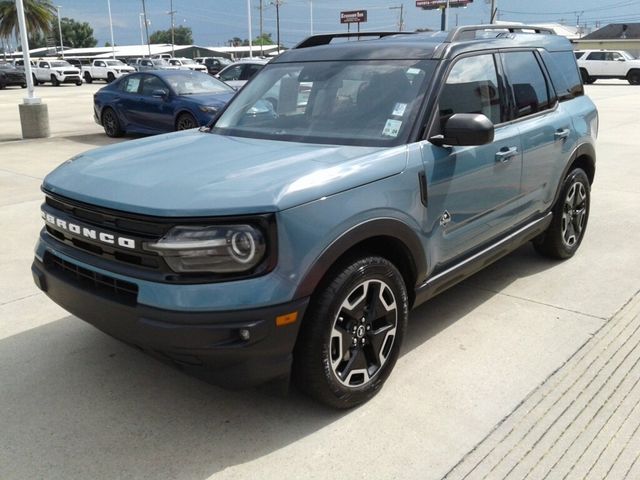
(250, 32)
(60, 30)
(311, 17)
(172, 12)
(113, 45)
(141, 19)
(146, 25)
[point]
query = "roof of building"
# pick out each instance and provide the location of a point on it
(616, 31)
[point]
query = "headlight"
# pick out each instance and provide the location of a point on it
(216, 249)
(206, 109)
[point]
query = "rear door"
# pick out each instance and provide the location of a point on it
(595, 64)
(545, 127)
(127, 98)
(474, 192)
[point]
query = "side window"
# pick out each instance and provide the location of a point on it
(250, 71)
(596, 56)
(578, 55)
(131, 84)
(529, 87)
(471, 87)
(614, 56)
(151, 83)
(564, 75)
(232, 74)
(100, 64)
(44, 65)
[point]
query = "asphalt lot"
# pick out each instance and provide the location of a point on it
(75, 403)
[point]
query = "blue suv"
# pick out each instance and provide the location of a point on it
(346, 183)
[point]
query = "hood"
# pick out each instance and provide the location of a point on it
(195, 173)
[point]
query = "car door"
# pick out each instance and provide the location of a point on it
(473, 192)
(154, 112)
(100, 69)
(545, 127)
(126, 98)
(616, 64)
(43, 72)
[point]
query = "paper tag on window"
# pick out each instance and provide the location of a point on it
(392, 128)
(399, 109)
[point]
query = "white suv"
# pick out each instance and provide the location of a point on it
(596, 64)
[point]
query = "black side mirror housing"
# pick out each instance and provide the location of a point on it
(466, 130)
(160, 93)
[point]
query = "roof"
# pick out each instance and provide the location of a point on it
(616, 31)
(421, 46)
(567, 31)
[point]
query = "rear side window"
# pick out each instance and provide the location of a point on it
(564, 75)
(578, 55)
(529, 87)
(471, 87)
(596, 56)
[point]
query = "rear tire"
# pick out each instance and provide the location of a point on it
(35, 80)
(186, 121)
(111, 124)
(352, 332)
(634, 77)
(88, 78)
(24, 85)
(570, 216)
(586, 78)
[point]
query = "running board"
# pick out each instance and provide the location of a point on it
(451, 276)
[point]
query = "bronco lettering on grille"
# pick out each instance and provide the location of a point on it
(75, 229)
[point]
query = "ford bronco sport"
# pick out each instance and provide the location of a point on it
(346, 183)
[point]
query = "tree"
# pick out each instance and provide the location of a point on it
(264, 39)
(182, 36)
(39, 16)
(77, 34)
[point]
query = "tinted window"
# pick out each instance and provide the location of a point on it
(613, 56)
(578, 55)
(232, 73)
(596, 56)
(150, 84)
(527, 82)
(250, 71)
(564, 75)
(471, 87)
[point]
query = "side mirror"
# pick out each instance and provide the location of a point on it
(620, 59)
(160, 93)
(465, 130)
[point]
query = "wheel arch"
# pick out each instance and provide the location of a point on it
(583, 157)
(180, 111)
(386, 237)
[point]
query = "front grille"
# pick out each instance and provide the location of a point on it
(69, 72)
(119, 290)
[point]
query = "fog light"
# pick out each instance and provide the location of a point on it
(244, 334)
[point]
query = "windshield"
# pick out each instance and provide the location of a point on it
(115, 63)
(371, 103)
(60, 64)
(628, 56)
(187, 61)
(160, 62)
(195, 83)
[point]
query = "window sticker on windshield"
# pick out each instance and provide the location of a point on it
(413, 71)
(399, 109)
(392, 128)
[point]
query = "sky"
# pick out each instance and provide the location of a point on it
(214, 22)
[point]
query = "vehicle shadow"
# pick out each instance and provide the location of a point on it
(76, 403)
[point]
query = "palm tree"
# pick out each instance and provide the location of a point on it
(39, 15)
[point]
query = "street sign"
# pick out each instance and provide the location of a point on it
(353, 16)
(434, 4)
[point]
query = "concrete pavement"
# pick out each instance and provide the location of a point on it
(75, 403)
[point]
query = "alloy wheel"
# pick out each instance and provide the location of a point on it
(363, 333)
(573, 214)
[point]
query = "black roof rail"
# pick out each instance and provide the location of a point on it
(325, 38)
(462, 33)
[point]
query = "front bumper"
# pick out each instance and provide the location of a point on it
(211, 345)
(69, 78)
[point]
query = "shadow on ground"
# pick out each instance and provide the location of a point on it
(78, 404)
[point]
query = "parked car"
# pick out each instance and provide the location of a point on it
(607, 64)
(56, 72)
(239, 73)
(10, 75)
(187, 64)
(298, 241)
(159, 101)
(145, 64)
(107, 70)
(213, 64)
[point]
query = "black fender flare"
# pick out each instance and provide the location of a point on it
(586, 150)
(380, 227)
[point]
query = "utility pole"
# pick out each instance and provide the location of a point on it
(141, 19)
(172, 12)
(401, 8)
(146, 25)
(311, 17)
(494, 11)
(277, 4)
(261, 28)
(113, 45)
(60, 30)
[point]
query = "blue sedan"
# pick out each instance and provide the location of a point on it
(159, 101)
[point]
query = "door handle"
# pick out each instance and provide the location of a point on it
(562, 133)
(506, 153)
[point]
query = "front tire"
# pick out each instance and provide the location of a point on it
(54, 81)
(186, 121)
(111, 124)
(110, 77)
(570, 215)
(352, 333)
